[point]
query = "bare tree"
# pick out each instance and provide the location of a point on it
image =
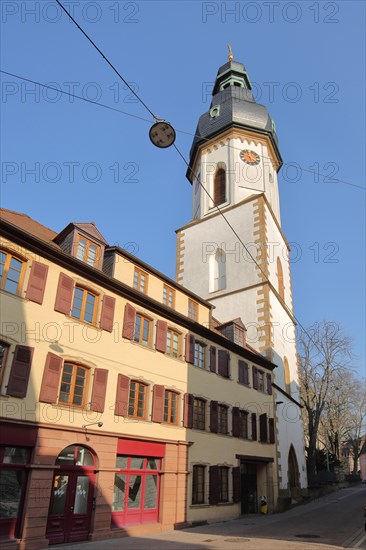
(324, 354)
(356, 423)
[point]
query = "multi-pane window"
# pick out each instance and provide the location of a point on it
(3, 353)
(168, 296)
(140, 280)
(173, 343)
(73, 385)
(199, 355)
(137, 400)
(198, 485)
(222, 419)
(260, 380)
(192, 310)
(223, 484)
(11, 272)
(142, 333)
(170, 407)
(87, 251)
(243, 424)
(84, 305)
(199, 414)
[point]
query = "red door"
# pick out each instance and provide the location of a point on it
(72, 496)
(71, 507)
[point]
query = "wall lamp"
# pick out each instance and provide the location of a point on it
(99, 424)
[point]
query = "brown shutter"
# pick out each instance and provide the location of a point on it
(129, 322)
(190, 348)
(212, 359)
(271, 430)
(37, 282)
(236, 484)
(123, 390)
(188, 410)
(51, 378)
(158, 403)
(107, 315)
(64, 294)
(243, 372)
(99, 390)
(214, 417)
(223, 362)
(20, 371)
(269, 384)
(254, 427)
(263, 429)
(235, 414)
(161, 336)
(214, 494)
(255, 378)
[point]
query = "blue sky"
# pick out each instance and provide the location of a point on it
(67, 160)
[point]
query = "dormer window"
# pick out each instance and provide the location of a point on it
(87, 251)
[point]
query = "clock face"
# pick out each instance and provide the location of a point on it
(250, 157)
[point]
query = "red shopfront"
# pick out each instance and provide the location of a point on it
(137, 483)
(17, 444)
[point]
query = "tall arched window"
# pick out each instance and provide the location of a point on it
(218, 270)
(281, 286)
(286, 367)
(219, 190)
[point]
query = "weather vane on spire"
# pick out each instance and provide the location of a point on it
(231, 57)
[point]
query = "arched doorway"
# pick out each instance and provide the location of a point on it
(293, 473)
(72, 496)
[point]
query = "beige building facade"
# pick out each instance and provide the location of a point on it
(125, 407)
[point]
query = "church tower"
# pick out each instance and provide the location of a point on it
(234, 252)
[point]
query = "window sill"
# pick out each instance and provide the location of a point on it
(198, 506)
(225, 503)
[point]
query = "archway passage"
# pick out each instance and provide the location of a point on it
(72, 496)
(293, 474)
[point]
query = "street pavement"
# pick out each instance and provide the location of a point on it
(332, 522)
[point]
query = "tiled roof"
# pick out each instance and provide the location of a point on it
(28, 224)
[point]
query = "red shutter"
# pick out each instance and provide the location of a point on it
(190, 348)
(243, 372)
(158, 404)
(51, 378)
(188, 410)
(214, 495)
(107, 315)
(64, 294)
(123, 390)
(214, 417)
(129, 322)
(255, 378)
(161, 336)
(236, 484)
(37, 282)
(269, 384)
(271, 430)
(212, 359)
(235, 415)
(99, 390)
(223, 363)
(263, 428)
(20, 371)
(254, 426)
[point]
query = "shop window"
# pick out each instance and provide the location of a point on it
(13, 481)
(136, 490)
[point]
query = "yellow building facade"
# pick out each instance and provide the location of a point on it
(125, 407)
